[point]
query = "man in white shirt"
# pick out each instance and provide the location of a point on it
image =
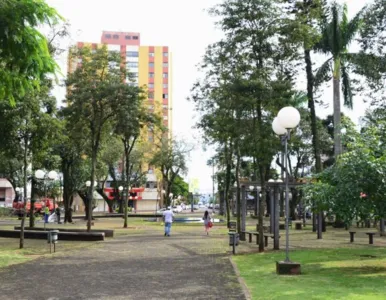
(168, 219)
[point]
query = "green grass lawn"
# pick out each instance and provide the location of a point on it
(358, 273)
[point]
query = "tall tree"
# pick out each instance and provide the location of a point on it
(29, 131)
(170, 158)
(24, 51)
(131, 118)
(337, 34)
(249, 77)
(96, 91)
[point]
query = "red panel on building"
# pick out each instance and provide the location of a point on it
(110, 193)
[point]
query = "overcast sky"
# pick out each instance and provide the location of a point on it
(184, 26)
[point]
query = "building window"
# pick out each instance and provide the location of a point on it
(151, 65)
(151, 86)
(165, 54)
(135, 37)
(165, 117)
(132, 64)
(165, 96)
(132, 53)
(151, 75)
(128, 37)
(133, 84)
(165, 65)
(108, 36)
(151, 95)
(113, 65)
(165, 85)
(165, 106)
(164, 75)
(133, 75)
(115, 36)
(151, 54)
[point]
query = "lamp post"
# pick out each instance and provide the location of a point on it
(287, 118)
(120, 189)
(125, 198)
(256, 208)
(89, 196)
(45, 177)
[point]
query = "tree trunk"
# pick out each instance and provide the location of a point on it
(314, 127)
(311, 106)
(105, 198)
(127, 181)
(337, 118)
(67, 194)
(228, 157)
(238, 200)
(33, 201)
(25, 166)
(91, 189)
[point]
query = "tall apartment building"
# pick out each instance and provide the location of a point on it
(150, 66)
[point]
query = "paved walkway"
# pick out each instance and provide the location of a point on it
(187, 265)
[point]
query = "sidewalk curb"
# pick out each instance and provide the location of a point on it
(241, 280)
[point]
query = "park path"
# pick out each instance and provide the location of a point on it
(187, 265)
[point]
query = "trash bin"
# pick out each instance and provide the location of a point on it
(52, 236)
(233, 236)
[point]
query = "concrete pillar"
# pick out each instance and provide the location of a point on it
(257, 199)
(276, 244)
(272, 209)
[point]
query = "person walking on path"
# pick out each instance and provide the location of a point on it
(46, 214)
(207, 222)
(168, 219)
(57, 211)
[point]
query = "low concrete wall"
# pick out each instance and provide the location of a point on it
(107, 232)
(62, 236)
(104, 216)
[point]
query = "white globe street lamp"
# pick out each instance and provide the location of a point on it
(287, 119)
(40, 174)
(120, 188)
(53, 175)
(277, 128)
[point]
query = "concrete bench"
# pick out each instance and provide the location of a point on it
(371, 237)
(107, 232)
(266, 236)
(298, 225)
(352, 236)
(63, 236)
(250, 234)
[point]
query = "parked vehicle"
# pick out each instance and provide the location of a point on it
(38, 206)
